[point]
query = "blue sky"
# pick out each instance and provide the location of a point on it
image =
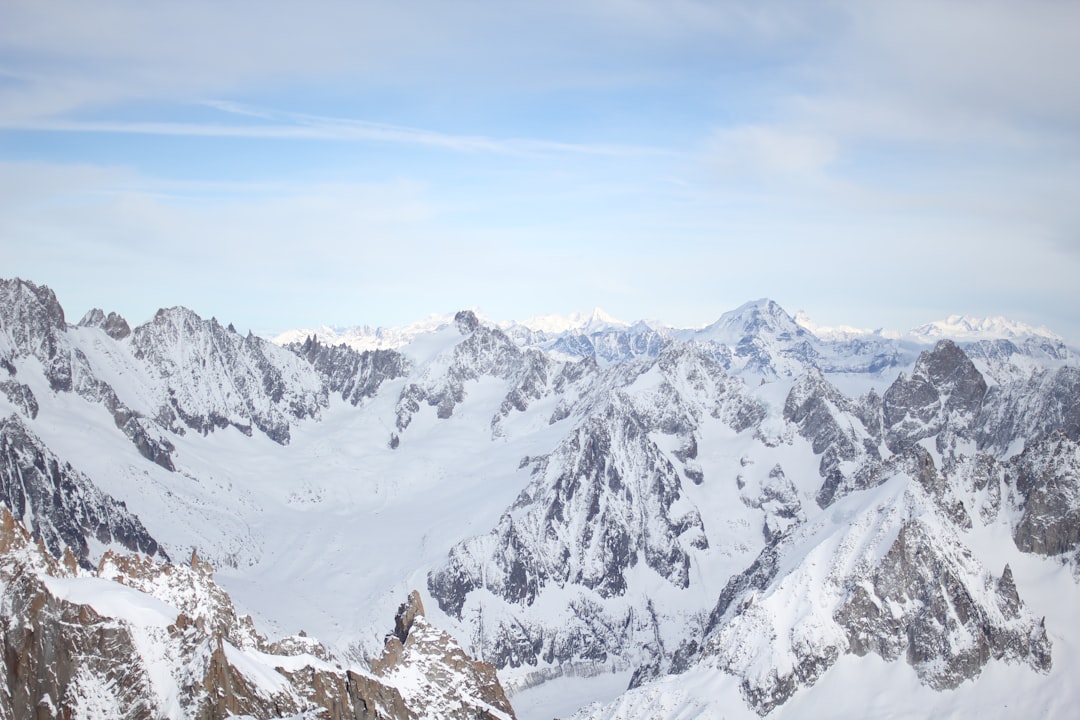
(281, 165)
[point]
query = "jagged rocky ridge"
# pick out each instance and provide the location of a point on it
(213, 377)
(353, 375)
(683, 482)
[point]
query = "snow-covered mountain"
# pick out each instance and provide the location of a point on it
(365, 337)
(597, 320)
(737, 520)
(965, 327)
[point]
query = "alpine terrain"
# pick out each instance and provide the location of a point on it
(561, 517)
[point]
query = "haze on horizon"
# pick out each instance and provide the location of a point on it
(875, 164)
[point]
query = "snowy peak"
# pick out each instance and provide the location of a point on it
(758, 318)
(454, 686)
(961, 328)
(590, 322)
(760, 338)
(967, 328)
(839, 333)
(365, 337)
(355, 375)
(945, 391)
(613, 499)
(114, 325)
(883, 571)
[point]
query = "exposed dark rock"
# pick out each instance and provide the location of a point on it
(1032, 409)
(21, 397)
(64, 508)
(869, 411)
(114, 325)
(451, 684)
(924, 609)
(485, 352)
(756, 577)
(1047, 477)
(407, 614)
(66, 660)
(355, 375)
(919, 596)
(466, 321)
(33, 320)
(32, 317)
(595, 475)
(824, 416)
(50, 645)
(942, 398)
(529, 382)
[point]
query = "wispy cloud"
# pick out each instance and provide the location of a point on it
(302, 126)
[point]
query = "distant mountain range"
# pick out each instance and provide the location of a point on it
(597, 321)
(626, 520)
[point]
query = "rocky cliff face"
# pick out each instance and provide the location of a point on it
(885, 568)
(836, 429)
(1047, 479)
(881, 568)
(483, 352)
(355, 376)
(32, 324)
(143, 639)
(114, 325)
(1031, 407)
(941, 399)
(32, 328)
(62, 507)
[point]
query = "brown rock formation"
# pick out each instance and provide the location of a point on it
(65, 659)
(454, 686)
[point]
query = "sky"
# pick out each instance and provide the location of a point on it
(280, 165)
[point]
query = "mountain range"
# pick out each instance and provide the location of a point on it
(758, 517)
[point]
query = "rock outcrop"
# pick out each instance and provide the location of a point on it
(355, 376)
(1047, 478)
(451, 684)
(142, 639)
(114, 325)
(832, 424)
